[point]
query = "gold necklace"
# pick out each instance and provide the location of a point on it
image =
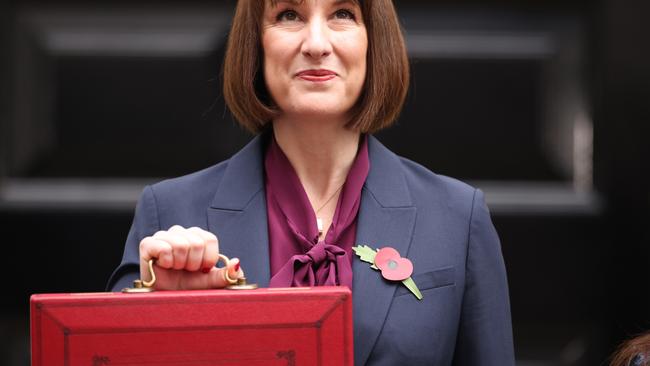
(319, 221)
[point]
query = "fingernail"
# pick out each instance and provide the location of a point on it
(237, 267)
(206, 270)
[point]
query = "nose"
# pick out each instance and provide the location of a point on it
(317, 43)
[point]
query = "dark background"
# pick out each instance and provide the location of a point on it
(545, 105)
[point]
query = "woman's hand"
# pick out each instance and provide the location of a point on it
(185, 259)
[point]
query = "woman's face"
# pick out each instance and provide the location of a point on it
(314, 55)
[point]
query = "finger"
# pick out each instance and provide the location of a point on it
(187, 247)
(151, 248)
(195, 255)
(196, 248)
(234, 268)
(159, 234)
(180, 247)
(165, 233)
(176, 228)
(211, 252)
(211, 255)
(198, 280)
(217, 276)
(206, 235)
(213, 279)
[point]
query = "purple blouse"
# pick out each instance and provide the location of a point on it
(297, 257)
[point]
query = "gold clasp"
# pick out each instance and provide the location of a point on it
(140, 286)
(235, 284)
(242, 285)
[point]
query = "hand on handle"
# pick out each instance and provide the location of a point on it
(185, 259)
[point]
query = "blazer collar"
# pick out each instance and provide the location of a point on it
(386, 179)
(243, 178)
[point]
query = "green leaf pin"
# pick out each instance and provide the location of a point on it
(392, 266)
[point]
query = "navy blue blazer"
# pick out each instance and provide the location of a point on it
(442, 225)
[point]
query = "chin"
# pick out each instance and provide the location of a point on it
(320, 111)
(320, 105)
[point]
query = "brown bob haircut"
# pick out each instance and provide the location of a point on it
(387, 69)
(633, 352)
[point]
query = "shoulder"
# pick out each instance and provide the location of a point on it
(418, 177)
(182, 200)
(430, 191)
(421, 179)
(193, 182)
(428, 188)
(396, 180)
(226, 183)
(191, 190)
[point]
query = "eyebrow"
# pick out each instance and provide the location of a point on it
(353, 2)
(292, 2)
(300, 2)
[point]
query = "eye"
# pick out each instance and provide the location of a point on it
(287, 15)
(344, 14)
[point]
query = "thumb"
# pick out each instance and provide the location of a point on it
(217, 276)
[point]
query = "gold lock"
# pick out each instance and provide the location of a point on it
(242, 285)
(235, 284)
(141, 286)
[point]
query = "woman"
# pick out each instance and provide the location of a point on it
(314, 79)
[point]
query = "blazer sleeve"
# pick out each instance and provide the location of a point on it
(485, 334)
(145, 223)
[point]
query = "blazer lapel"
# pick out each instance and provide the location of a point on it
(386, 218)
(237, 214)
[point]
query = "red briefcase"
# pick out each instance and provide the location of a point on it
(296, 326)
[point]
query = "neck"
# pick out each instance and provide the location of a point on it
(320, 151)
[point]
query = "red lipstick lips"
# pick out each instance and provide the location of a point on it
(319, 75)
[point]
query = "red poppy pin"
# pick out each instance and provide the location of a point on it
(392, 266)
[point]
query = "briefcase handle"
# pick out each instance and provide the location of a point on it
(141, 286)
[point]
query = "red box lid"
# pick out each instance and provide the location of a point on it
(290, 326)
